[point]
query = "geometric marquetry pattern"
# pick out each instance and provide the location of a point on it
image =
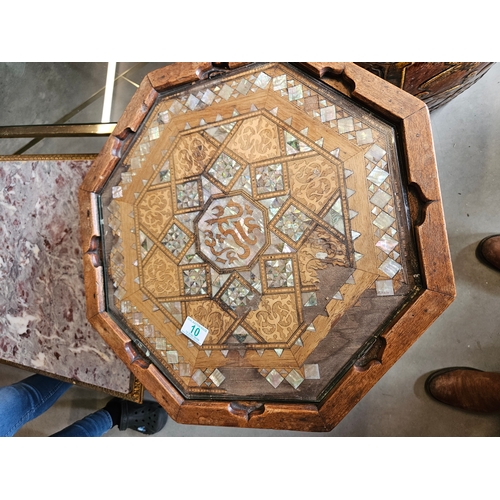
(265, 208)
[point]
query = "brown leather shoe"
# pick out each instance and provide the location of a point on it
(488, 251)
(465, 388)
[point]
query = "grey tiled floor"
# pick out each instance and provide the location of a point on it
(466, 135)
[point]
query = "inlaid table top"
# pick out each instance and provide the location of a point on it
(251, 240)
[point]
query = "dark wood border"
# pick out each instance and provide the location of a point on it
(410, 116)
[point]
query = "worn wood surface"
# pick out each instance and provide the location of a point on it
(431, 233)
(102, 166)
(182, 73)
(92, 268)
(136, 110)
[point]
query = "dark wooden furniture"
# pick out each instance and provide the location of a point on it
(436, 83)
(292, 210)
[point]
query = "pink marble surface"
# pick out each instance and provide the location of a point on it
(42, 299)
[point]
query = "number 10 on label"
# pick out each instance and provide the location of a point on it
(194, 331)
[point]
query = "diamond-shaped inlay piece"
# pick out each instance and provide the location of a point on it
(364, 136)
(279, 273)
(262, 80)
(195, 281)
(293, 223)
(175, 240)
(384, 288)
(199, 377)
(387, 244)
(269, 178)
(146, 244)
(237, 294)
(172, 357)
(188, 195)
(375, 153)
(294, 378)
(217, 377)
(244, 86)
(224, 169)
(345, 125)
(378, 176)
(390, 267)
(380, 198)
(383, 221)
(311, 372)
(295, 93)
(309, 299)
(335, 216)
(161, 343)
(328, 113)
(279, 82)
(293, 145)
(225, 92)
(274, 378)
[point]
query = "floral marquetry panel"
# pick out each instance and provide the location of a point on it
(272, 210)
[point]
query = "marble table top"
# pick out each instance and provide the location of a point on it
(43, 326)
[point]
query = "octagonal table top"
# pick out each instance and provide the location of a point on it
(268, 212)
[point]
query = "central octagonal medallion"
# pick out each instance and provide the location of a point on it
(231, 232)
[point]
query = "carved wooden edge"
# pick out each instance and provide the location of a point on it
(372, 355)
(136, 110)
(378, 94)
(152, 379)
(92, 269)
(323, 417)
(299, 417)
(182, 73)
(125, 130)
(430, 231)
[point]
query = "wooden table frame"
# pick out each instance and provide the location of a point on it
(410, 117)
